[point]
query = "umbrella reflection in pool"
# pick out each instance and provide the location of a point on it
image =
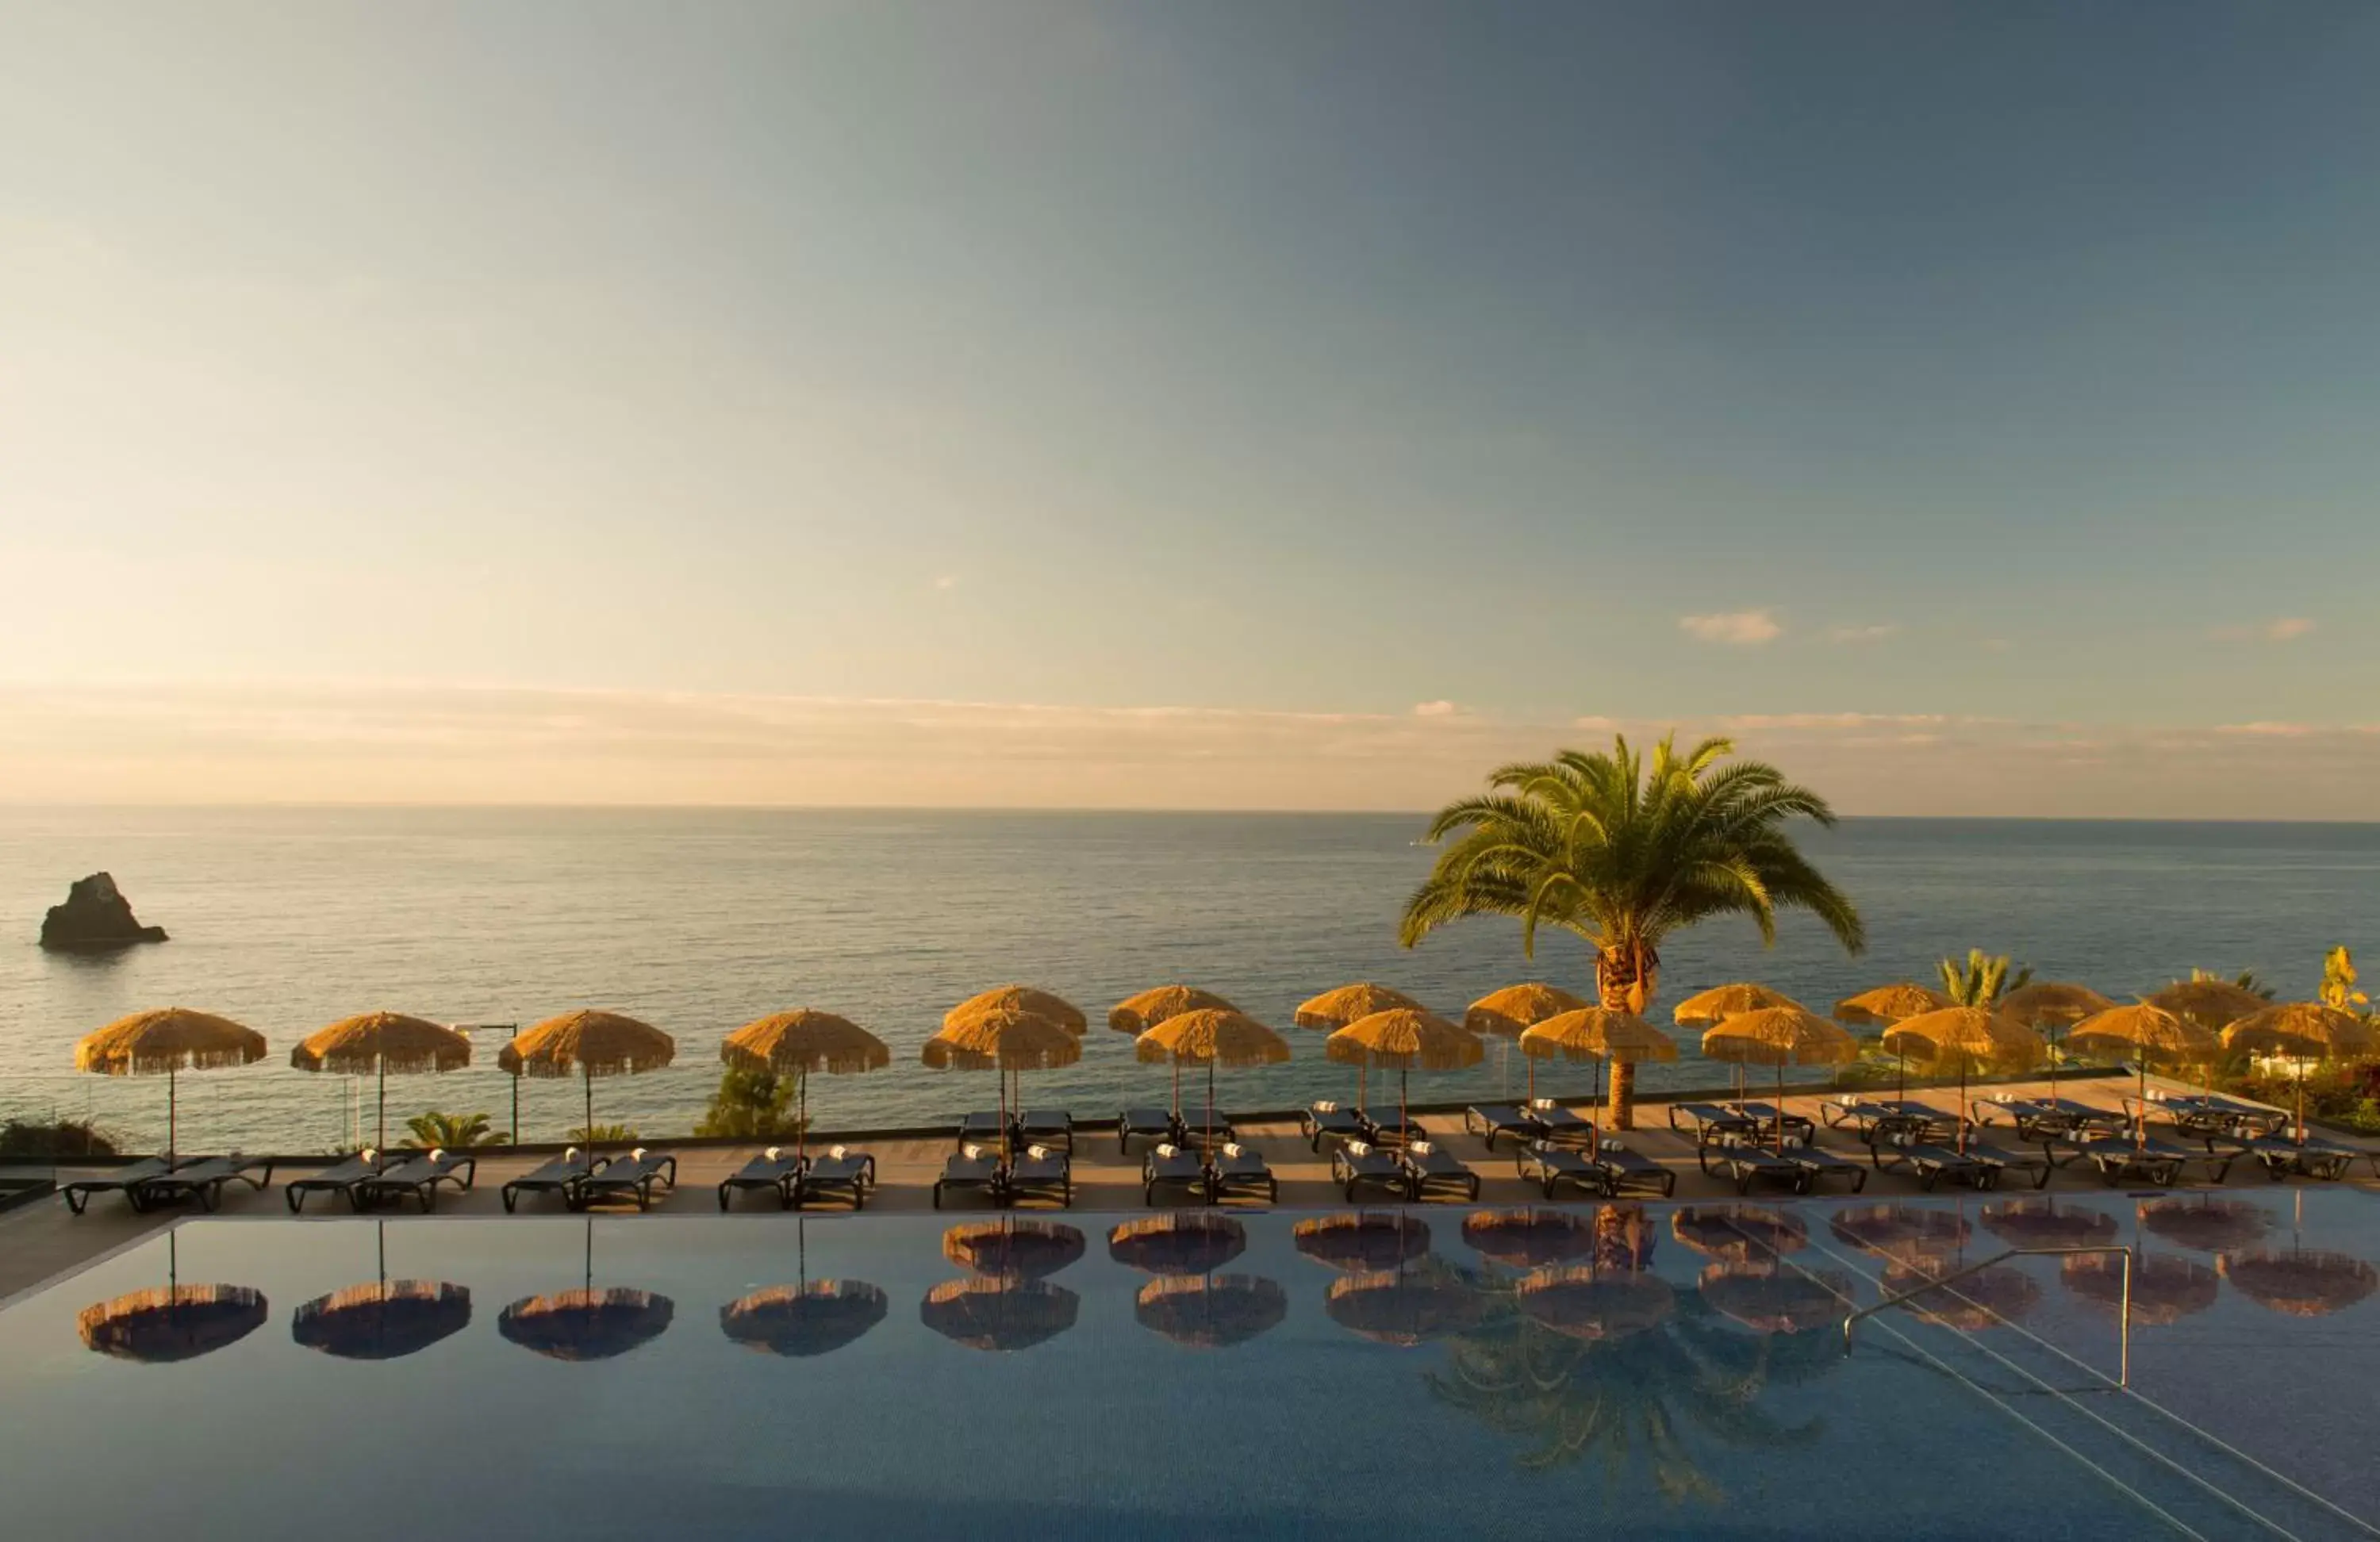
(2205, 1223)
(1362, 1241)
(2301, 1282)
(587, 1324)
(999, 1314)
(2041, 1221)
(179, 1322)
(1770, 1298)
(807, 1317)
(1900, 1232)
(1528, 1237)
(1405, 1307)
(1210, 1311)
(383, 1318)
(1183, 1242)
(1983, 1298)
(1013, 1249)
(1594, 1304)
(1738, 1231)
(2164, 1289)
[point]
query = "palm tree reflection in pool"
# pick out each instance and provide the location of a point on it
(1642, 1400)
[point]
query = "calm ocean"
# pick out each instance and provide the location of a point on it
(700, 920)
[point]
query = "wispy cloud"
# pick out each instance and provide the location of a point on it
(1875, 632)
(2285, 628)
(1434, 709)
(1742, 628)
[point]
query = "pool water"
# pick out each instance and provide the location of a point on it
(1678, 1371)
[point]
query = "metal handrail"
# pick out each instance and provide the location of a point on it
(2124, 1320)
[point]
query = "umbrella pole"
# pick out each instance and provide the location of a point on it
(802, 1117)
(1533, 1077)
(587, 1080)
(1962, 1106)
(1780, 1105)
(1210, 1104)
(172, 1115)
(1177, 1086)
(384, 1106)
(1404, 1127)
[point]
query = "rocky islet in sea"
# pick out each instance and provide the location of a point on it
(96, 915)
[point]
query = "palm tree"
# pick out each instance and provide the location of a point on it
(2339, 981)
(2245, 979)
(452, 1132)
(1982, 979)
(1623, 852)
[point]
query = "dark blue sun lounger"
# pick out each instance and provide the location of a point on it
(1037, 1176)
(1432, 1170)
(122, 1180)
(1146, 1124)
(202, 1180)
(1358, 1166)
(1168, 1168)
(418, 1177)
(561, 1175)
(1318, 1125)
(1553, 1168)
(340, 1178)
(967, 1173)
(1241, 1172)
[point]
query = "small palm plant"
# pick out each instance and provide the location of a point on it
(2339, 981)
(2245, 979)
(452, 1132)
(1981, 978)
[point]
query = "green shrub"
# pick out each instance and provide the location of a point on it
(64, 1138)
(758, 1104)
(452, 1132)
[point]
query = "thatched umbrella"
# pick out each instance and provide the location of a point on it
(1019, 998)
(179, 1322)
(1210, 1036)
(1137, 1014)
(1528, 1237)
(997, 1314)
(799, 1321)
(1210, 1311)
(591, 1043)
(1768, 1299)
(587, 1324)
(169, 1039)
(1182, 1242)
(1598, 1034)
(1405, 1037)
(1334, 1010)
(379, 1042)
(1890, 1003)
(1013, 1249)
(1362, 1241)
(1969, 1035)
(1779, 1037)
(2205, 1223)
(2300, 1282)
(385, 1319)
(2165, 1290)
(1514, 1011)
(1739, 1232)
(1720, 1002)
(1985, 1298)
(1594, 1304)
(1002, 1040)
(2046, 1004)
(1899, 1231)
(1405, 1307)
(2212, 1005)
(2303, 1031)
(2144, 1030)
(800, 1044)
(2040, 1221)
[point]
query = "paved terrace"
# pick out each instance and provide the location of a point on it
(43, 1240)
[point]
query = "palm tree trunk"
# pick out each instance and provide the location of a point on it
(1625, 979)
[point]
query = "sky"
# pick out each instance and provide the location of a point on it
(1241, 404)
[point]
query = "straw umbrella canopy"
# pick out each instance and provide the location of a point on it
(800, 1321)
(1722, 1001)
(2212, 1005)
(159, 1326)
(379, 1042)
(2207, 1223)
(1137, 1014)
(1514, 1010)
(2164, 1289)
(800, 1044)
(1985, 1298)
(2040, 1221)
(1362, 1241)
(1890, 1003)
(1019, 998)
(1001, 1040)
(2045, 1003)
(2300, 1282)
(1528, 1237)
(1779, 1037)
(1899, 1231)
(169, 1039)
(1334, 1010)
(1405, 1307)
(1768, 1299)
(1210, 1311)
(1595, 1306)
(586, 1323)
(1969, 1035)
(2146, 1031)
(998, 1316)
(1405, 1037)
(1013, 1249)
(1598, 1034)
(1210, 1036)
(1739, 1232)
(2303, 1031)
(1182, 1242)
(591, 1043)
(382, 1319)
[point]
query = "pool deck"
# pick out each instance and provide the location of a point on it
(43, 1240)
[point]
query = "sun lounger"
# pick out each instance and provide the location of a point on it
(1040, 1174)
(341, 1178)
(1149, 1124)
(1745, 1163)
(1710, 1123)
(1241, 1172)
(2210, 1117)
(561, 1175)
(1552, 1168)
(1818, 1165)
(1320, 1123)
(983, 1127)
(1359, 1165)
(1627, 1171)
(1051, 1127)
(122, 1180)
(1178, 1172)
(771, 1171)
(202, 1180)
(837, 1174)
(2315, 1157)
(418, 1176)
(2047, 1124)
(2157, 1162)
(1929, 1163)
(1395, 1130)
(1431, 1170)
(1195, 1133)
(968, 1171)
(1884, 1119)
(1765, 1117)
(633, 1176)
(1490, 1120)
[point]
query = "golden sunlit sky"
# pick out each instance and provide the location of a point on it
(1150, 405)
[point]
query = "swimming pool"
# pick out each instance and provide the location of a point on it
(1413, 1372)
